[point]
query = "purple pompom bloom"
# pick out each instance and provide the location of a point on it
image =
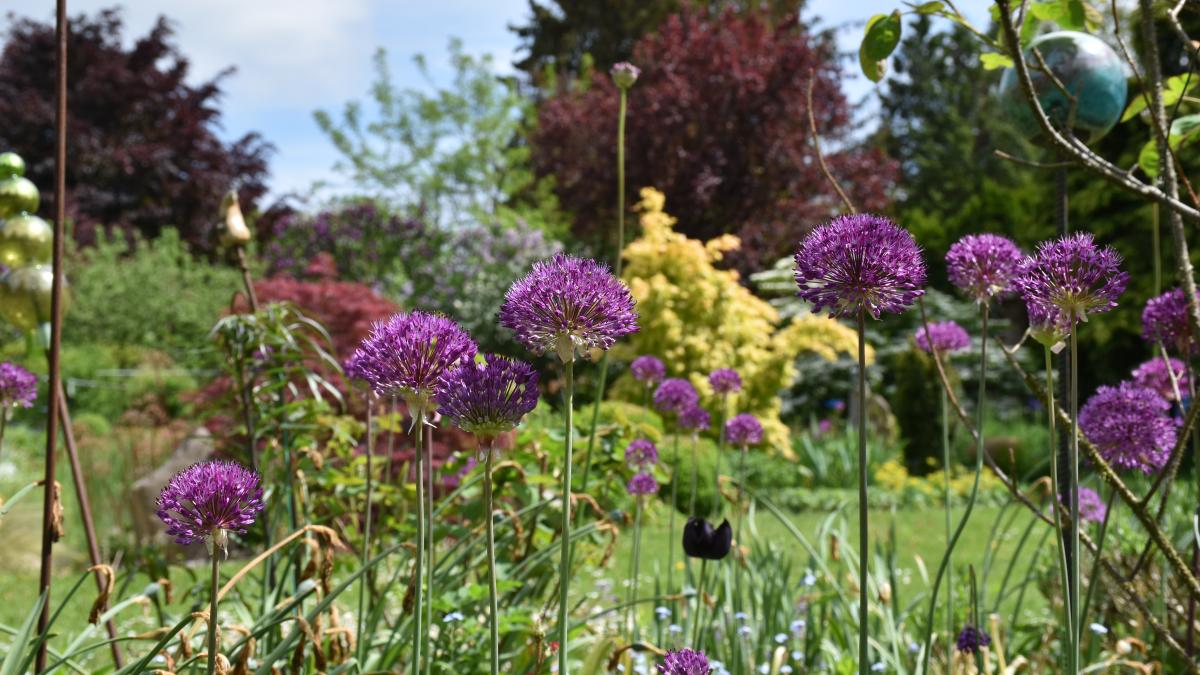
(207, 501)
(18, 387)
(1165, 319)
(1153, 375)
(1129, 426)
(408, 354)
(675, 395)
(694, 418)
(860, 263)
(1091, 506)
(983, 265)
(725, 381)
(744, 429)
(490, 398)
(648, 369)
(641, 454)
(944, 336)
(569, 305)
(624, 74)
(684, 662)
(1068, 279)
(642, 484)
(971, 640)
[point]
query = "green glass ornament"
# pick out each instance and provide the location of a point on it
(18, 195)
(1087, 68)
(25, 296)
(11, 165)
(25, 239)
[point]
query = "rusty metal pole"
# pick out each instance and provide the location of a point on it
(60, 213)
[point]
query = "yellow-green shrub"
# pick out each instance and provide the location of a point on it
(698, 318)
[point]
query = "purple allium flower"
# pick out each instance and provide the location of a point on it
(983, 265)
(490, 398)
(1129, 426)
(648, 369)
(207, 501)
(641, 454)
(725, 381)
(1165, 319)
(1091, 506)
(408, 354)
(694, 418)
(1068, 279)
(569, 305)
(624, 74)
(675, 395)
(684, 662)
(18, 387)
(642, 484)
(743, 429)
(1153, 375)
(944, 336)
(971, 640)
(860, 263)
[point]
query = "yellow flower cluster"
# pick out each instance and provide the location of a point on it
(895, 478)
(698, 318)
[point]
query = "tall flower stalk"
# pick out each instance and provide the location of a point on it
(853, 266)
(742, 431)
(489, 399)
(675, 396)
(1068, 279)
(641, 486)
(569, 306)
(206, 502)
(725, 382)
(406, 357)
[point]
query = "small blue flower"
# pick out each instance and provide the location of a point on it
(741, 616)
(781, 638)
(798, 626)
(765, 669)
(785, 669)
(675, 628)
(913, 648)
(797, 655)
(452, 617)
(1098, 629)
(809, 579)
(662, 613)
(745, 630)
(878, 667)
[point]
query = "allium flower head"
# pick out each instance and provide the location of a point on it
(1153, 375)
(675, 395)
(744, 429)
(18, 387)
(983, 265)
(569, 305)
(641, 454)
(408, 354)
(972, 639)
(642, 484)
(1069, 278)
(648, 369)
(489, 398)
(725, 381)
(624, 74)
(694, 418)
(1165, 319)
(944, 336)
(1091, 506)
(684, 662)
(860, 263)
(1129, 426)
(207, 501)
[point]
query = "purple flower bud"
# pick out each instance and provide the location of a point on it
(744, 429)
(1129, 426)
(1068, 279)
(207, 501)
(1165, 319)
(684, 662)
(648, 369)
(641, 454)
(18, 387)
(408, 354)
(642, 484)
(694, 418)
(725, 381)
(1153, 375)
(1091, 506)
(947, 337)
(624, 74)
(983, 265)
(675, 395)
(490, 398)
(971, 640)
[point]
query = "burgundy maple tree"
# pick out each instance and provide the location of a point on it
(718, 121)
(143, 150)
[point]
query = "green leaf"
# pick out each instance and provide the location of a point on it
(1173, 90)
(879, 41)
(1184, 131)
(22, 640)
(993, 61)
(929, 8)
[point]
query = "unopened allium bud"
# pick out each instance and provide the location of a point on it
(625, 74)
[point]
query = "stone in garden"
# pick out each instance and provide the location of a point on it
(197, 447)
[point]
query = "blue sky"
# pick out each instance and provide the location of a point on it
(295, 56)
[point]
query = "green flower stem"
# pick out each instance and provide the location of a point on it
(962, 524)
(489, 509)
(427, 443)
(363, 601)
(671, 518)
(1073, 460)
(1095, 575)
(695, 485)
(564, 567)
(864, 654)
(699, 604)
(949, 519)
(634, 568)
(620, 182)
(420, 637)
(214, 589)
(3, 425)
(724, 408)
(1058, 520)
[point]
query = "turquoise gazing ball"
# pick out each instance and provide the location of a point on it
(1087, 67)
